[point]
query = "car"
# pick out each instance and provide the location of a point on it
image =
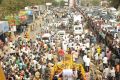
(78, 29)
(77, 17)
(108, 28)
(46, 37)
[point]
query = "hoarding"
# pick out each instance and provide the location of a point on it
(4, 27)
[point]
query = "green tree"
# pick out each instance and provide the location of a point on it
(114, 3)
(95, 2)
(0, 1)
(13, 6)
(58, 2)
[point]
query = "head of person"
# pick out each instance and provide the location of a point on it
(87, 56)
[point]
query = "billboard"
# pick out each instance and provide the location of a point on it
(4, 27)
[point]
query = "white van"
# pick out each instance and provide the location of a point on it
(46, 37)
(78, 29)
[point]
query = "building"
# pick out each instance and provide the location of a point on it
(72, 3)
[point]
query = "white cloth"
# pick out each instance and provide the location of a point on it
(106, 72)
(83, 47)
(35, 62)
(67, 74)
(84, 58)
(50, 56)
(87, 45)
(87, 62)
(96, 56)
(112, 72)
(105, 60)
(83, 36)
(64, 45)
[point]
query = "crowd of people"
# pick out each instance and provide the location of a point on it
(33, 59)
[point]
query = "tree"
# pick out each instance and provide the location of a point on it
(13, 6)
(115, 3)
(95, 2)
(0, 1)
(58, 2)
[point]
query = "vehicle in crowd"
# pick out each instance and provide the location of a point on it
(78, 29)
(46, 37)
(108, 28)
(77, 17)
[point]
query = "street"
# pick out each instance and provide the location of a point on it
(78, 43)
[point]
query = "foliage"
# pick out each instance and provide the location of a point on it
(13, 6)
(95, 2)
(58, 2)
(115, 3)
(0, 1)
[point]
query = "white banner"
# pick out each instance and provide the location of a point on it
(13, 28)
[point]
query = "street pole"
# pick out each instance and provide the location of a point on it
(33, 15)
(39, 10)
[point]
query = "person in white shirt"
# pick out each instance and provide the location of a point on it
(64, 45)
(83, 36)
(83, 47)
(87, 64)
(96, 58)
(106, 72)
(50, 56)
(112, 72)
(105, 61)
(84, 59)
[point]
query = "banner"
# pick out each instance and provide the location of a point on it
(21, 13)
(13, 28)
(29, 12)
(4, 27)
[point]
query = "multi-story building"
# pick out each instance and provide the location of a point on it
(71, 3)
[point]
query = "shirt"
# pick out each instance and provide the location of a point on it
(84, 58)
(112, 72)
(87, 62)
(49, 56)
(106, 72)
(96, 56)
(105, 60)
